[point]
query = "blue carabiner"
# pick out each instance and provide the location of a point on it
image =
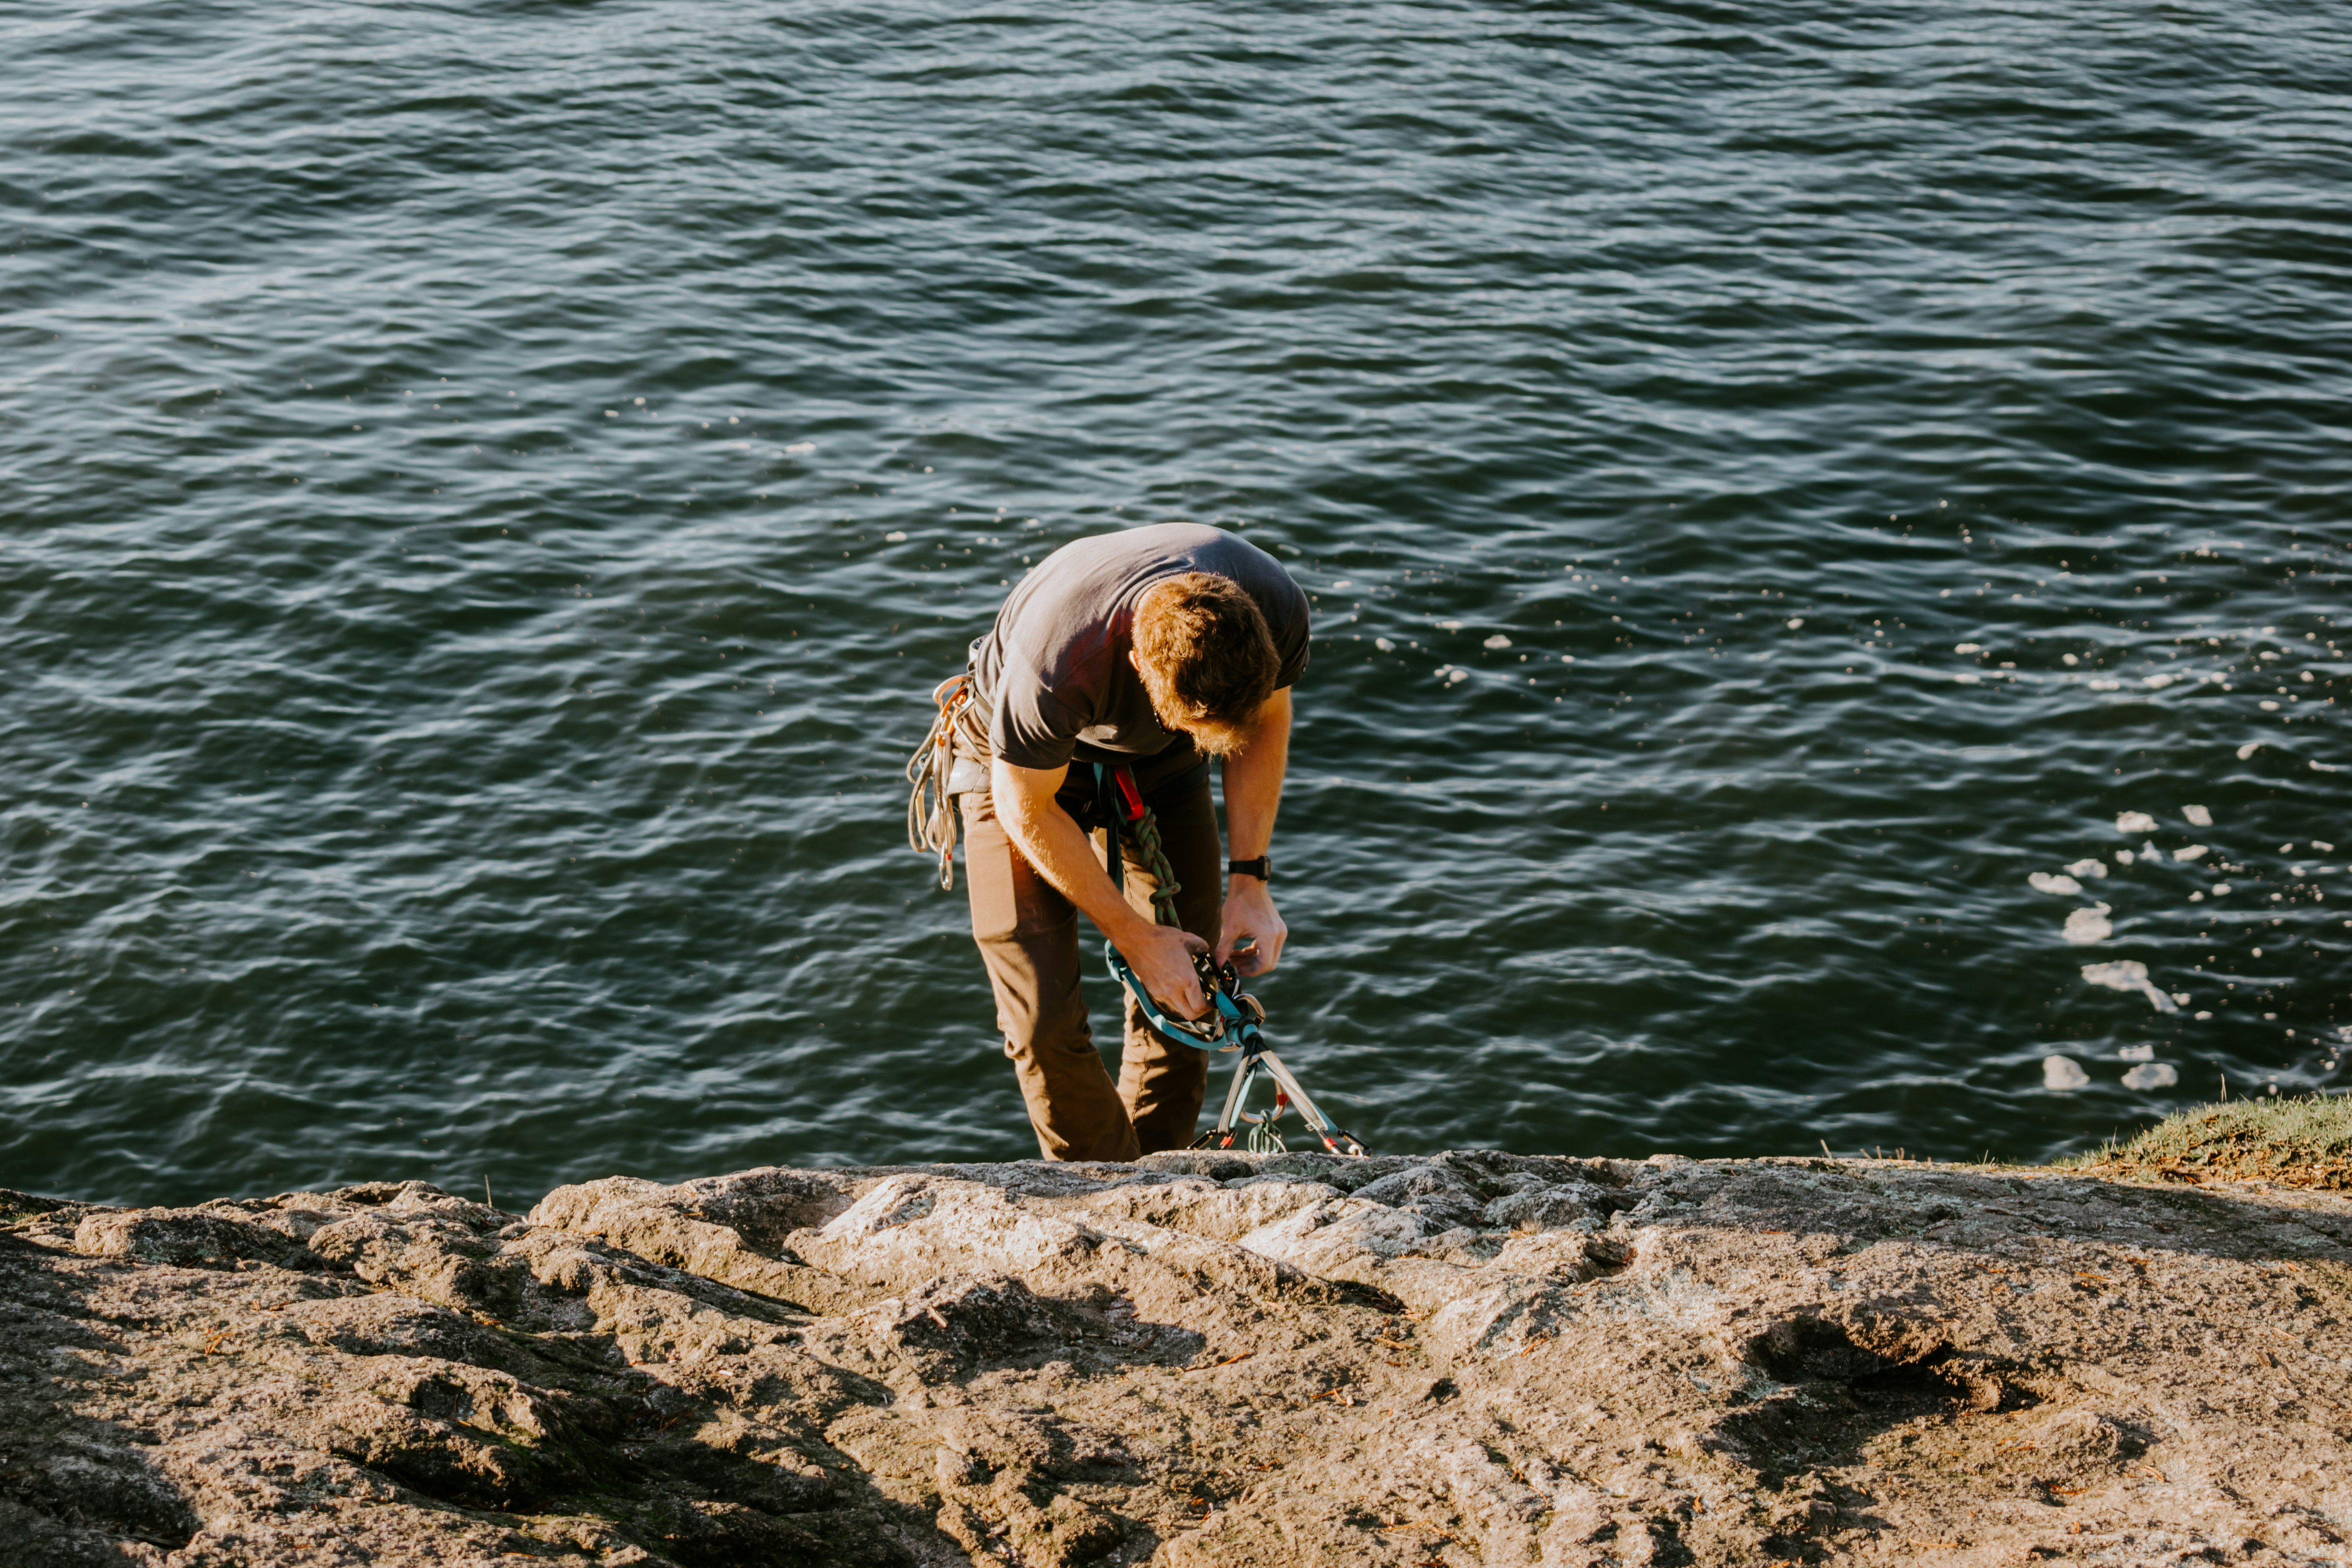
(1228, 1026)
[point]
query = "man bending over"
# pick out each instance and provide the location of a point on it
(1156, 649)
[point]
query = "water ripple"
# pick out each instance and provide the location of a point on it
(488, 491)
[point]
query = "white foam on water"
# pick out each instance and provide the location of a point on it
(2197, 816)
(1449, 626)
(2220, 889)
(1497, 640)
(894, 538)
(2157, 681)
(2044, 883)
(2063, 1073)
(1453, 675)
(2128, 974)
(2085, 927)
(2069, 660)
(1968, 678)
(2136, 1054)
(2107, 685)
(2152, 1074)
(2181, 997)
(1796, 622)
(2248, 750)
(1969, 647)
(2134, 822)
(2125, 856)
(799, 448)
(1384, 645)
(2322, 847)
(2319, 767)
(2190, 852)
(2088, 869)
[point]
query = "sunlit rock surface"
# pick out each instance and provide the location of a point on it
(1469, 1358)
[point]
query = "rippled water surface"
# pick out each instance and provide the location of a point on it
(488, 489)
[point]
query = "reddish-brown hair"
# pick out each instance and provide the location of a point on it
(1205, 655)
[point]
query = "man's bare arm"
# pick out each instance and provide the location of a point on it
(1254, 777)
(1059, 850)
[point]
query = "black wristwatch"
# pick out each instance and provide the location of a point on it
(1262, 868)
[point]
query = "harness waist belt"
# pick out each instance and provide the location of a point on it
(967, 776)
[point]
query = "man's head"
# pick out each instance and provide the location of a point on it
(1206, 657)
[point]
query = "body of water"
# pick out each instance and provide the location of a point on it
(1815, 516)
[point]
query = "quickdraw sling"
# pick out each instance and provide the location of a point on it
(930, 807)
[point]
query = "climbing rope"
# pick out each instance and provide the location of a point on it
(1124, 803)
(1234, 1019)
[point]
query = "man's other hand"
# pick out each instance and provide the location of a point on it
(1162, 957)
(1250, 912)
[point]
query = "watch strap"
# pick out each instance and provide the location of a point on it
(1262, 868)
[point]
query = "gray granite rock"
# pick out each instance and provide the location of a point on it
(1199, 1359)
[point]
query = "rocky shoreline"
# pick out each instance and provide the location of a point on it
(1465, 1357)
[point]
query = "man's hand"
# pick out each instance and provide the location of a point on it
(1250, 914)
(1162, 957)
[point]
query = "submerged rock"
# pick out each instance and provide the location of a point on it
(1199, 1359)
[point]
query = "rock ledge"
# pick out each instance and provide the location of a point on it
(1468, 1358)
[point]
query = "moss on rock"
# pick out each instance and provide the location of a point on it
(2295, 1141)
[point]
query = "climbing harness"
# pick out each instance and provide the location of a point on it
(930, 805)
(1233, 1020)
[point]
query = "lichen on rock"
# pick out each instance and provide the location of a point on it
(1198, 1359)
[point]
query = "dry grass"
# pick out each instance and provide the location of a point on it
(2294, 1140)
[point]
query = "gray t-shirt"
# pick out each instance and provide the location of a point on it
(1053, 674)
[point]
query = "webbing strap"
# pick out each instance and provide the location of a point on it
(1108, 806)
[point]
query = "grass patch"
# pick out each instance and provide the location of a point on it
(2297, 1141)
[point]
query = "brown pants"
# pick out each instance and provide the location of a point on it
(1028, 937)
